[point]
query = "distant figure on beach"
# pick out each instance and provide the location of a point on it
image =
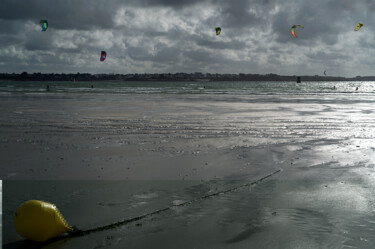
(47, 88)
(92, 86)
(204, 87)
(356, 88)
(334, 87)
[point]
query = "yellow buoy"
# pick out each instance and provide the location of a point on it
(39, 221)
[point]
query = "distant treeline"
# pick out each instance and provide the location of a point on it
(172, 77)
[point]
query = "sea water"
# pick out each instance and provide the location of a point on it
(190, 87)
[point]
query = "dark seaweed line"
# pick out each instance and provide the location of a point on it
(78, 232)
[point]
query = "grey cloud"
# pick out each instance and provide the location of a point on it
(69, 14)
(168, 3)
(324, 56)
(202, 56)
(139, 54)
(244, 14)
(221, 44)
(166, 55)
(36, 41)
(186, 42)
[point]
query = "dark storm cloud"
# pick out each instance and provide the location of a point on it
(69, 14)
(37, 41)
(169, 3)
(11, 27)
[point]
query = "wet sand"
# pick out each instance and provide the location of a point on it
(167, 149)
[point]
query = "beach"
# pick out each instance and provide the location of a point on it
(107, 156)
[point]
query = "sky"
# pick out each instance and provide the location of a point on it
(170, 36)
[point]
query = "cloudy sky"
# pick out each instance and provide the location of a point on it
(161, 36)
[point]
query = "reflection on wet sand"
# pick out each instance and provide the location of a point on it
(166, 151)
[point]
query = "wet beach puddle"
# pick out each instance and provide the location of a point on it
(278, 213)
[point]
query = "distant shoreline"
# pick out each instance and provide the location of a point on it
(172, 77)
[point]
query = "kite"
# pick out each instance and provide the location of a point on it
(359, 25)
(44, 24)
(218, 30)
(293, 27)
(103, 56)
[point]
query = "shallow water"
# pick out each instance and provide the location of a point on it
(189, 87)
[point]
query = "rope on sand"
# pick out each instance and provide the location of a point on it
(78, 232)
